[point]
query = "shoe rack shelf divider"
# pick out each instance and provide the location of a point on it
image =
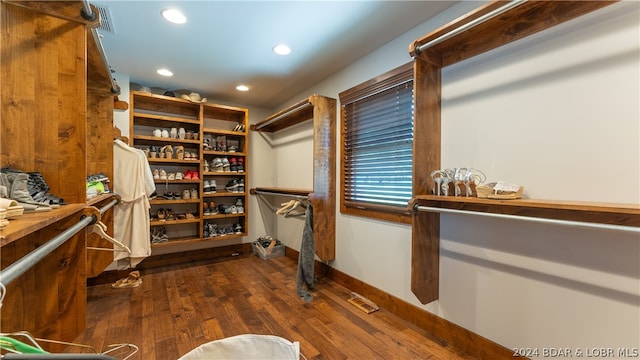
(322, 111)
(151, 112)
(497, 31)
(58, 130)
(219, 122)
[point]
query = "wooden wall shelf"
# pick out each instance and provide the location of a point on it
(30, 223)
(280, 191)
(516, 23)
(322, 110)
(589, 212)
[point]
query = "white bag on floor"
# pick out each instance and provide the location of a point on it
(246, 347)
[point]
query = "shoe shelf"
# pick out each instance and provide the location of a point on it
(176, 240)
(223, 132)
(161, 120)
(174, 222)
(222, 216)
(224, 173)
(171, 202)
(224, 153)
(153, 140)
(174, 161)
(177, 181)
(100, 198)
(160, 107)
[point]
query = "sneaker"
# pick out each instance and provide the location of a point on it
(240, 185)
(222, 208)
(194, 194)
(164, 133)
(174, 133)
(238, 202)
(213, 185)
(157, 133)
(231, 148)
(226, 166)
(240, 165)
(156, 174)
(232, 186)
(233, 165)
(207, 187)
(213, 208)
(207, 144)
(213, 230)
(237, 228)
(205, 209)
(233, 209)
(240, 209)
(218, 165)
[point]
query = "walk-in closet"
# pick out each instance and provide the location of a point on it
(319, 180)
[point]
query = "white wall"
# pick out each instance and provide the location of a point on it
(557, 113)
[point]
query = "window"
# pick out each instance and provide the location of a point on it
(377, 146)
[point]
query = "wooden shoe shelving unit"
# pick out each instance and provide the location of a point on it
(206, 121)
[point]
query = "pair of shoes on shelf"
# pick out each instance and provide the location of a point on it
(166, 214)
(161, 133)
(235, 185)
(210, 208)
(191, 175)
(190, 194)
(239, 127)
(210, 186)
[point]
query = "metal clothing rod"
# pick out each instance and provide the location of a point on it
(297, 108)
(106, 208)
(19, 267)
(469, 25)
(10, 356)
(623, 228)
(301, 197)
(115, 89)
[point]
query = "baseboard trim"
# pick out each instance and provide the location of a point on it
(445, 331)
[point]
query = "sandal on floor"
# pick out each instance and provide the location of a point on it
(131, 281)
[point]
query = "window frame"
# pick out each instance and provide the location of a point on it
(373, 86)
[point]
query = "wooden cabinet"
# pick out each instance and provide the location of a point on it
(54, 100)
(322, 111)
(183, 139)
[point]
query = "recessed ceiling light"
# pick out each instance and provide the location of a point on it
(164, 72)
(242, 88)
(281, 49)
(174, 16)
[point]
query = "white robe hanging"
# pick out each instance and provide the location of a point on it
(133, 181)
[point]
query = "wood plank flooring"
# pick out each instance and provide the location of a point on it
(180, 307)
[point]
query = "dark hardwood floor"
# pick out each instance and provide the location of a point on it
(178, 308)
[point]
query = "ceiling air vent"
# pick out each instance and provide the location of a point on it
(106, 24)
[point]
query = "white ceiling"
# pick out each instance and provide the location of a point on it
(225, 43)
